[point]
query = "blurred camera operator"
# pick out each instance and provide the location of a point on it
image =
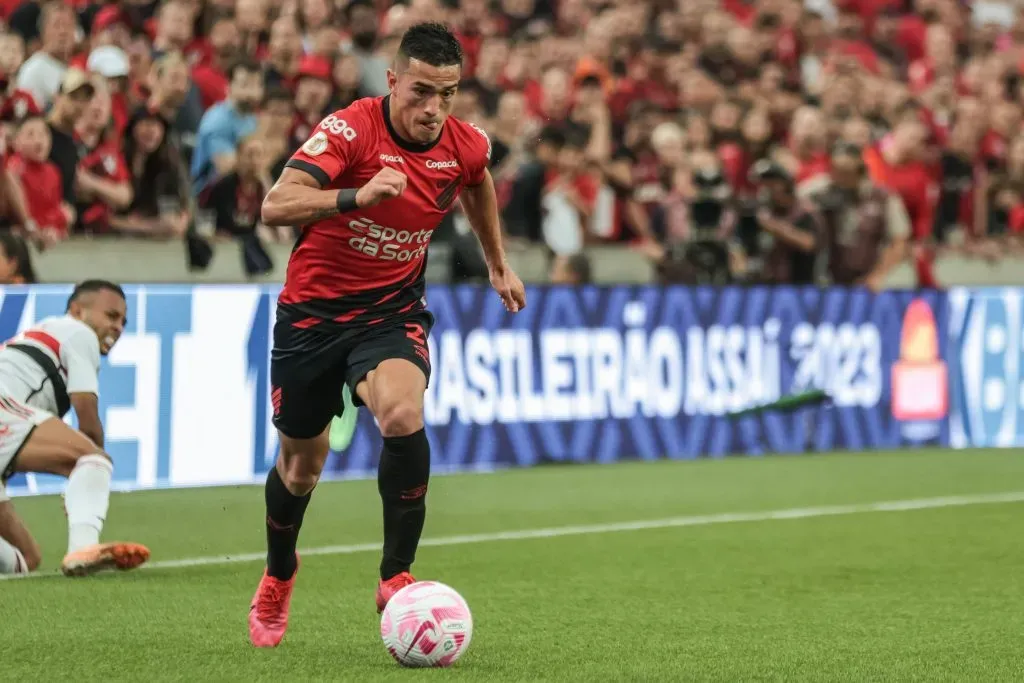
(694, 220)
(778, 231)
(866, 227)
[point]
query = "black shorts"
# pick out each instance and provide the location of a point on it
(308, 368)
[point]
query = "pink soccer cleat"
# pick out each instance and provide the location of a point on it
(386, 589)
(268, 613)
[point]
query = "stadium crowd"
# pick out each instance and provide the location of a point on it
(778, 141)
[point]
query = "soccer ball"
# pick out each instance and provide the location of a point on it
(426, 624)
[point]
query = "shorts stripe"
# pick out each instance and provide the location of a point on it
(14, 408)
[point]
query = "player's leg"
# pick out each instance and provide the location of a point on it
(50, 446)
(390, 374)
(302, 413)
(19, 552)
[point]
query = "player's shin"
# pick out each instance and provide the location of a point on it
(86, 500)
(285, 512)
(11, 559)
(402, 481)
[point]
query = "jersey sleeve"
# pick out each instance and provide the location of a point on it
(334, 145)
(82, 359)
(479, 157)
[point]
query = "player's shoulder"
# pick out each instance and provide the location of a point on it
(355, 119)
(70, 331)
(470, 137)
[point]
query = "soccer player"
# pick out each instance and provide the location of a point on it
(369, 187)
(44, 372)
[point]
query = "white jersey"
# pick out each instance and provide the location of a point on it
(70, 343)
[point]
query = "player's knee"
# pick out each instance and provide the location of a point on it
(65, 464)
(299, 475)
(401, 418)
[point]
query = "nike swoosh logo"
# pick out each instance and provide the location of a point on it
(424, 627)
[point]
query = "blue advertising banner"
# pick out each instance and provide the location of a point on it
(601, 374)
(581, 375)
(987, 380)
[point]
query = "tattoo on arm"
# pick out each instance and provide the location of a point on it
(320, 214)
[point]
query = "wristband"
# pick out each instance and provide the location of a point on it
(346, 201)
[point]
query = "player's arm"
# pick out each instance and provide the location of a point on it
(480, 203)
(302, 195)
(87, 408)
(115, 193)
(14, 531)
(297, 198)
(82, 359)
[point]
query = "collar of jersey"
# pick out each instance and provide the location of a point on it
(407, 145)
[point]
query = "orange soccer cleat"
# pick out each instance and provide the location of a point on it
(387, 589)
(95, 558)
(268, 613)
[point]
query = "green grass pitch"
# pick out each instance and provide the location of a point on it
(933, 594)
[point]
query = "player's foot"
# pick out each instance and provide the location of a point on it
(387, 589)
(343, 426)
(268, 613)
(95, 558)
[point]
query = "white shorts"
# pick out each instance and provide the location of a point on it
(17, 421)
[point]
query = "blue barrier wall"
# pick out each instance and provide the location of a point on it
(584, 375)
(986, 328)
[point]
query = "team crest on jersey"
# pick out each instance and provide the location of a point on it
(447, 196)
(316, 145)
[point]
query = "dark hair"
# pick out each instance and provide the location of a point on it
(90, 286)
(245, 64)
(552, 135)
(579, 264)
(356, 4)
(278, 94)
(432, 43)
(17, 250)
(27, 118)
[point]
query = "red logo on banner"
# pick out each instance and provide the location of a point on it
(919, 377)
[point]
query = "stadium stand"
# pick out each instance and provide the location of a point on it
(684, 137)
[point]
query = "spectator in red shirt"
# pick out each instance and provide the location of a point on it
(110, 27)
(312, 92)
(211, 78)
(895, 164)
(40, 182)
(102, 183)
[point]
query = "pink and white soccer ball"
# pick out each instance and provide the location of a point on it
(426, 624)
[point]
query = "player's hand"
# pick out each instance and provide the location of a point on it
(387, 184)
(509, 287)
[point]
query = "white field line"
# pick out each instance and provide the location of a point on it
(587, 529)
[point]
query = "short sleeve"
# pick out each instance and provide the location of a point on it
(82, 360)
(479, 157)
(332, 148)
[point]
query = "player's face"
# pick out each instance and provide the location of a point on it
(422, 97)
(105, 312)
